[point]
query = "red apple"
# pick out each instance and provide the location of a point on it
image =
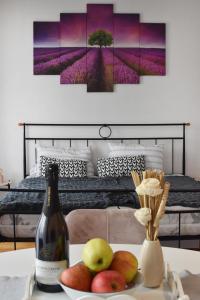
(126, 264)
(77, 277)
(107, 282)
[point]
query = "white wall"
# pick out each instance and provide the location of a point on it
(24, 97)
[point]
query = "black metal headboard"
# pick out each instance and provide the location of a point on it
(27, 137)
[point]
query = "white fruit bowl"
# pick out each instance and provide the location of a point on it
(75, 294)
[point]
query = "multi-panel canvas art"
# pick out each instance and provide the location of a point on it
(99, 48)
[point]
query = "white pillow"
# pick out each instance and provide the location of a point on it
(66, 153)
(153, 155)
(34, 171)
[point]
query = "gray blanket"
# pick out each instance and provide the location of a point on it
(24, 202)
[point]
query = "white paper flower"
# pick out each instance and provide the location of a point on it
(149, 187)
(143, 215)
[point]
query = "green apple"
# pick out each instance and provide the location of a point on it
(97, 254)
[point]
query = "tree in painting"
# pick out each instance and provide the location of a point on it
(100, 38)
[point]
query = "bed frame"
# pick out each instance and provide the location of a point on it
(27, 137)
(109, 127)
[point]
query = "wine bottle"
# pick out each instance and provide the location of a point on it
(52, 239)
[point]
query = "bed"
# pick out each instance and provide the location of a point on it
(20, 208)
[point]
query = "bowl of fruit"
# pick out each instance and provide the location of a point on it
(100, 272)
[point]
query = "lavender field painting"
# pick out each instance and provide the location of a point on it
(99, 48)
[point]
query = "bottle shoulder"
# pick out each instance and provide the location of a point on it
(54, 222)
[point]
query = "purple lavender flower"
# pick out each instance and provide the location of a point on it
(142, 65)
(57, 65)
(49, 56)
(132, 60)
(123, 73)
(76, 73)
(148, 67)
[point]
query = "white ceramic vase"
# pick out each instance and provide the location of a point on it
(152, 263)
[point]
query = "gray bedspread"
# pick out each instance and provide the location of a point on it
(186, 199)
(24, 202)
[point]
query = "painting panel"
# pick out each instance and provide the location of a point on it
(126, 48)
(153, 52)
(99, 47)
(46, 47)
(73, 40)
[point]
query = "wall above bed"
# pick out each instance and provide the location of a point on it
(29, 98)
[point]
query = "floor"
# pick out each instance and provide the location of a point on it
(9, 246)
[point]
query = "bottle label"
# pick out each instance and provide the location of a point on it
(48, 272)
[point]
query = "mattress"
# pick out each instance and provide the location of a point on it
(26, 224)
(190, 222)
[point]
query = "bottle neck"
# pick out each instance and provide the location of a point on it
(51, 203)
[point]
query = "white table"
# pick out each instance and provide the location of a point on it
(20, 262)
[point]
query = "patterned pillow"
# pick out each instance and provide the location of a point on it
(78, 152)
(67, 167)
(120, 166)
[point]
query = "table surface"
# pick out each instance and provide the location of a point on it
(21, 262)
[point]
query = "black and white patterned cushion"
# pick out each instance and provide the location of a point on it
(67, 167)
(120, 166)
